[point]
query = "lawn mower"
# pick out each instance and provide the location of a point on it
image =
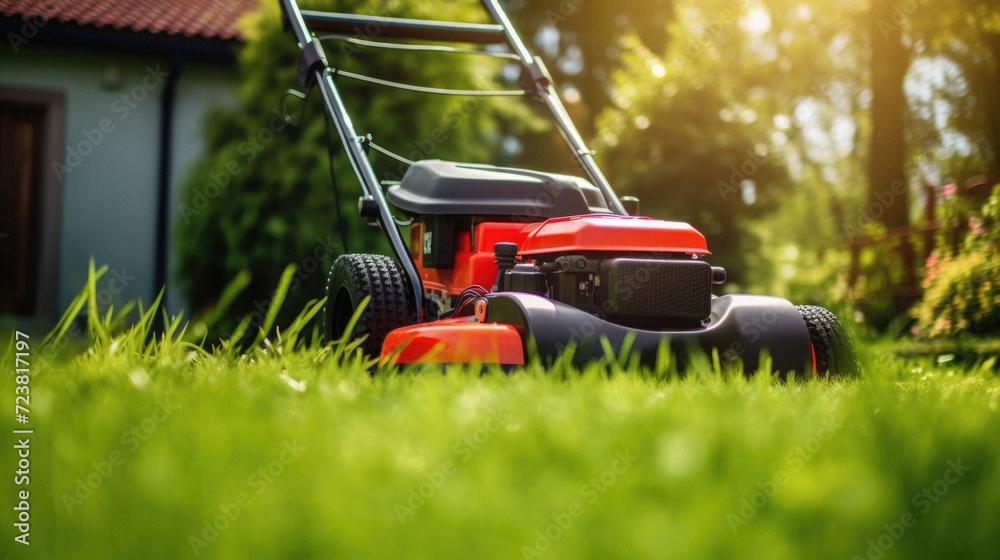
(505, 263)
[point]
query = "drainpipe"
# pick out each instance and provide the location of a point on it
(167, 103)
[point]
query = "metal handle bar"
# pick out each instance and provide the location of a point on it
(402, 28)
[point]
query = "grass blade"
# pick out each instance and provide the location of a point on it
(277, 298)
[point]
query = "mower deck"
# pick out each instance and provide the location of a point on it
(740, 327)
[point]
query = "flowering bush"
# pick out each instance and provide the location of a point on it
(987, 233)
(963, 289)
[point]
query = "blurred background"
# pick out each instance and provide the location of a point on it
(835, 154)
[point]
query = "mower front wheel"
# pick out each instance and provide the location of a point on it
(831, 344)
(356, 276)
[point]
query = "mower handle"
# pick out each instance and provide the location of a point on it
(314, 69)
(544, 89)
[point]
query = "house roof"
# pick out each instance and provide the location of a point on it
(208, 19)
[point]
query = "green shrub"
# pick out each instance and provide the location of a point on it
(962, 297)
(963, 290)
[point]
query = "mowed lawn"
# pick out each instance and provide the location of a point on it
(174, 453)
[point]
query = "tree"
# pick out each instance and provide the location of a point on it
(935, 80)
(888, 187)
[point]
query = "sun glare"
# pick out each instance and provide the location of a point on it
(756, 22)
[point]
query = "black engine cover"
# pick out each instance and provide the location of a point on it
(434, 187)
(645, 292)
(636, 291)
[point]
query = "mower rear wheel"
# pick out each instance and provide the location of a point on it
(831, 344)
(356, 276)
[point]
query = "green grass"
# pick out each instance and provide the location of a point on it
(709, 465)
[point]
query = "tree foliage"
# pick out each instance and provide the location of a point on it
(711, 129)
(957, 113)
(578, 39)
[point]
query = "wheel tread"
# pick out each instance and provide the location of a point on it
(831, 342)
(390, 306)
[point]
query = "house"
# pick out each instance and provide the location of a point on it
(101, 109)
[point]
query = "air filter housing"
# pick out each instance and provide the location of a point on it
(647, 292)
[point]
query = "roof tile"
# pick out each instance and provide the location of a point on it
(209, 19)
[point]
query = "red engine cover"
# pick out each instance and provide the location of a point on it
(474, 261)
(599, 232)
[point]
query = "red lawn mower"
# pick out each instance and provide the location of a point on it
(503, 262)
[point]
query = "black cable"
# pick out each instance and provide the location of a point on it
(333, 181)
(470, 294)
(330, 149)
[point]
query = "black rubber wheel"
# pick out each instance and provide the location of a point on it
(830, 341)
(355, 276)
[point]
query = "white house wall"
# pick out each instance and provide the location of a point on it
(201, 86)
(110, 164)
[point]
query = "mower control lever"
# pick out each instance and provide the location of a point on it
(536, 78)
(368, 209)
(311, 58)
